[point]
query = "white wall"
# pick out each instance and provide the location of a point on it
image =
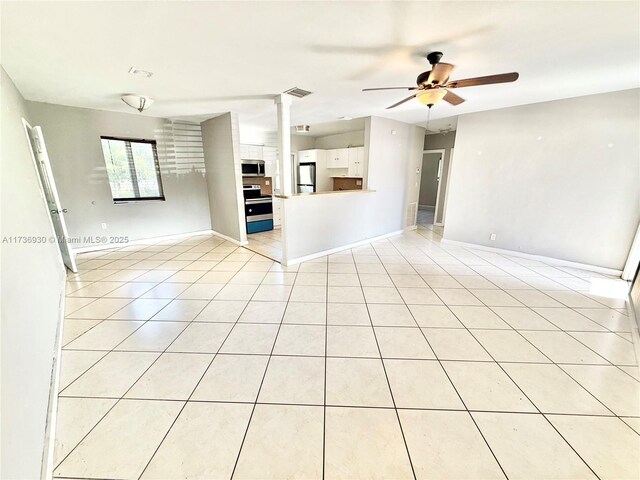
(302, 142)
(32, 290)
(316, 223)
(72, 136)
(340, 140)
(256, 136)
(221, 141)
(559, 179)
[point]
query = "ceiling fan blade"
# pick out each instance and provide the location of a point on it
(452, 98)
(440, 73)
(488, 80)
(389, 88)
(402, 101)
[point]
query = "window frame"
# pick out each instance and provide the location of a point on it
(134, 175)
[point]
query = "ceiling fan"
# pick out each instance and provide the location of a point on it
(434, 85)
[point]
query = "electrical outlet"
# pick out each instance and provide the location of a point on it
(104, 226)
(492, 236)
(266, 182)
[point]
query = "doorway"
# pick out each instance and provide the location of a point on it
(50, 193)
(428, 197)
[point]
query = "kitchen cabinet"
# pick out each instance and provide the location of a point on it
(310, 156)
(277, 211)
(338, 158)
(251, 152)
(355, 162)
(270, 157)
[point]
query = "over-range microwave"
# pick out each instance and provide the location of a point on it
(253, 168)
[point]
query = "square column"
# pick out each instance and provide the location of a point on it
(283, 103)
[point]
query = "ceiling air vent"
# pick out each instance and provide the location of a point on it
(302, 128)
(298, 92)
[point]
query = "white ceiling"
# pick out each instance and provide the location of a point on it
(211, 57)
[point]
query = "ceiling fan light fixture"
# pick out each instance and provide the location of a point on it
(431, 96)
(139, 102)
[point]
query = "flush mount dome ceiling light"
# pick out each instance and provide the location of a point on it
(139, 102)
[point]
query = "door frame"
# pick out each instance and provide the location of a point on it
(446, 196)
(442, 152)
(54, 192)
(633, 260)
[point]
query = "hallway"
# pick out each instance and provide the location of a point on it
(406, 358)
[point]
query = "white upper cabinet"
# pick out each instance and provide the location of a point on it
(309, 156)
(338, 158)
(251, 152)
(270, 157)
(356, 160)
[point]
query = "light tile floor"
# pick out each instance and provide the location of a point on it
(268, 244)
(406, 358)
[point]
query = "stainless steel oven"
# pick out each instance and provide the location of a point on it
(253, 168)
(258, 209)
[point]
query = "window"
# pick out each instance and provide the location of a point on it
(133, 170)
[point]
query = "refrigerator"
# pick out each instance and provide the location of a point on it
(306, 178)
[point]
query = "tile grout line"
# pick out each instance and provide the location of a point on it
(372, 326)
(266, 368)
(502, 368)
(528, 399)
(326, 347)
(186, 402)
(123, 395)
(384, 369)
(446, 374)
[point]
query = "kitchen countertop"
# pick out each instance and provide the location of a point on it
(329, 192)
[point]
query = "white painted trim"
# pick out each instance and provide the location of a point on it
(229, 239)
(447, 191)
(442, 153)
(141, 241)
(52, 413)
(540, 258)
(339, 249)
(631, 265)
(430, 208)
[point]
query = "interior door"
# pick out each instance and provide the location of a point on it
(56, 212)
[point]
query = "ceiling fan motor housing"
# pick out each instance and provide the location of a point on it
(434, 57)
(423, 79)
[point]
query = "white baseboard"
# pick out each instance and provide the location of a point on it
(306, 258)
(411, 227)
(52, 409)
(540, 258)
(229, 239)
